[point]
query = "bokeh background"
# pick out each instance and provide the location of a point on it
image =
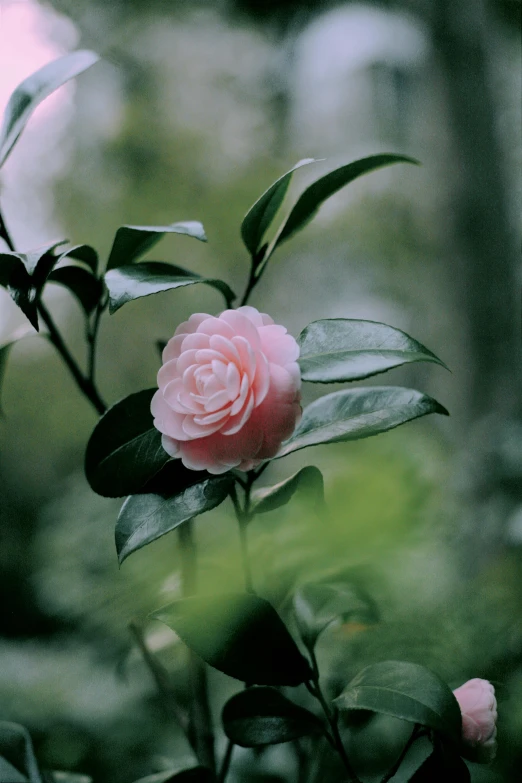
(194, 110)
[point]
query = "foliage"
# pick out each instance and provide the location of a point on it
(240, 634)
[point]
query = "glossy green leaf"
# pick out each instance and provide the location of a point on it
(145, 518)
(341, 349)
(126, 283)
(263, 716)
(319, 604)
(404, 690)
(25, 275)
(85, 254)
(124, 451)
(240, 634)
(17, 760)
(85, 287)
(131, 242)
(193, 775)
(33, 90)
(358, 413)
(316, 194)
(260, 216)
(309, 480)
(8, 263)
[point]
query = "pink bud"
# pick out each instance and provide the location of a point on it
(478, 706)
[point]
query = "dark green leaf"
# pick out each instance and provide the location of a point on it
(126, 283)
(57, 776)
(317, 605)
(404, 690)
(17, 759)
(309, 479)
(131, 242)
(26, 274)
(314, 196)
(124, 451)
(8, 263)
(358, 413)
(260, 216)
(263, 716)
(85, 287)
(241, 635)
(341, 349)
(145, 518)
(33, 90)
(84, 253)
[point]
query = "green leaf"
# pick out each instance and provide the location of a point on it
(341, 349)
(240, 634)
(57, 776)
(317, 605)
(260, 216)
(8, 263)
(131, 242)
(85, 287)
(145, 518)
(404, 690)
(316, 194)
(84, 253)
(124, 451)
(309, 479)
(126, 283)
(17, 760)
(33, 90)
(194, 775)
(263, 716)
(25, 275)
(358, 413)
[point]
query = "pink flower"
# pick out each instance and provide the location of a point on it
(228, 390)
(478, 706)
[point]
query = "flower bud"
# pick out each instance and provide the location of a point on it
(478, 706)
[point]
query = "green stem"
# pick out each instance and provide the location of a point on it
(200, 715)
(85, 384)
(331, 717)
(162, 680)
(416, 733)
(92, 339)
(225, 766)
(251, 284)
(244, 516)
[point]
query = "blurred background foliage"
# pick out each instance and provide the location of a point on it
(196, 108)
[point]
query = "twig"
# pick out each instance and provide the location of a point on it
(416, 733)
(200, 715)
(331, 716)
(162, 680)
(225, 765)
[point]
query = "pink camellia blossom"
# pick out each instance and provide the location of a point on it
(478, 706)
(228, 390)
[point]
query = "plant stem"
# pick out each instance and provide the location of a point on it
(92, 335)
(200, 715)
(4, 233)
(331, 716)
(416, 733)
(226, 762)
(244, 516)
(252, 282)
(85, 384)
(162, 680)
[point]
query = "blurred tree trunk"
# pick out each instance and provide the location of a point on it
(483, 268)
